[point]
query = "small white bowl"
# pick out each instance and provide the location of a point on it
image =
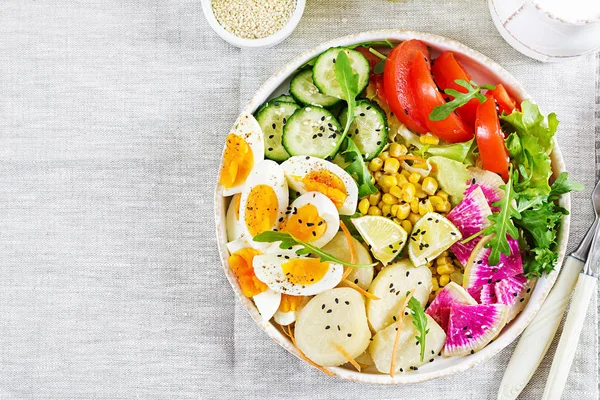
(482, 69)
(268, 41)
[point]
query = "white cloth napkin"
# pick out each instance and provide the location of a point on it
(113, 116)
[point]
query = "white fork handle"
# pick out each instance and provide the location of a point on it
(565, 352)
(536, 339)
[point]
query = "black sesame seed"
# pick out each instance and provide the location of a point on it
(309, 224)
(323, 118)
(271, 136)
(274, 126)
(337, 301)
(472, 351)
(349, 335)
(338, 327)
(347, 302)
(327, 327)
(329, 311)
(362, 114)
(322, 306)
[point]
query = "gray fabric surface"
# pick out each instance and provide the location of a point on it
(113, 115)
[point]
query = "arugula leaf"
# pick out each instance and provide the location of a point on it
(287, 241)
(541, 223)
(348, 81)
(442, 112)
(563, 185)
(420, 322)
(503, 223)
(347, 220)
(357, 168)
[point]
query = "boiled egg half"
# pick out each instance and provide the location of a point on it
(312, 218)
(311, 174)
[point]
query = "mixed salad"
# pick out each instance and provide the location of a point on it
(389, 210)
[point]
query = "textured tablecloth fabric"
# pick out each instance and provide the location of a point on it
(113, 115)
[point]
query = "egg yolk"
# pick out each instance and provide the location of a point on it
(304, 271)
(291, 303)
(261, 209)
(305, 223)
(237, 161)
(241, 265)
(327, 183)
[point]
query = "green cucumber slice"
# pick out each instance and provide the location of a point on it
(324, 71)
(369, 128)
(272, 118)
(312, 131)
(303, 89)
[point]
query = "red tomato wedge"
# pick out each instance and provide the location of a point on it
(490, 139)
(377, 81)
(396, 83)
(505, 102)
(427, 96)
(446, 69)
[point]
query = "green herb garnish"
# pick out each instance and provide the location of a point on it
(357, 168)
(420, 322)
(442, 112)
(348, 81)
(288, 241)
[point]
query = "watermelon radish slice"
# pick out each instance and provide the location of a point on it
(479, 272)
(521, 299)
(439, 309)
(489, 183)
(475, 292)
(507, 290)
(469, 216)
(472, 327)
(487, 295)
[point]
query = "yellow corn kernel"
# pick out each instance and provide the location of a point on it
(444, 207)
(388, 199)
(429, 139)
(421, 166)
(394, 150)
(396, 191)
(413, 218)
(403, 211)
(444, 280)
(386, 210)
(401, 179)
(442, 194)
(445, 269)
(375, 164)
(405, 173)
(408, 192)
(394, 209)
(419, 191)
(374, 198)
(377, 175)
(384, 155)
(434, 283)
(380, 204)
(389, 180)
(363, 206)
(425, 207)
(374, 211)
(445, 254)
(444, 259)
(429, 185)
(407, 225)
(414, 206)
(391, 165)
(436, 201)
(414, 177)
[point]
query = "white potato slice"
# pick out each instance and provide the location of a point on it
(408, 353)
(338, 247)
(391, 285)
(332, 319)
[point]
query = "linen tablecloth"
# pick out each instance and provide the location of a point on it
(113, 115)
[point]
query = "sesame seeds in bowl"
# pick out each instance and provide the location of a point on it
(252, 24)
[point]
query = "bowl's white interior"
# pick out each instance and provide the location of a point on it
(483, 70)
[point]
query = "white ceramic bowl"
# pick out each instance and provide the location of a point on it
(483, 70)
(268, 41)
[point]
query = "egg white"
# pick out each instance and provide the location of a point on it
(327, 210)
(267, 303)
(248, 129)
(284, 318)
(298, 166)
(234, 228)
(267, 269)
(271, 174)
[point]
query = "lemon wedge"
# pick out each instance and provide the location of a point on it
(431, 236)
(384, 237)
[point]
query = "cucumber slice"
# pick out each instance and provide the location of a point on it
(284, 98)
(272, 118)
(369, 128)
(305, 92)
(312, 131)
(324, 71)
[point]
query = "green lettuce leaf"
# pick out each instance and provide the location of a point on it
(451, 175)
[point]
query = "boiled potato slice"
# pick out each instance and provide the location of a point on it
(408, 353)
(338, 247)
(391, 285)
(333, 318)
